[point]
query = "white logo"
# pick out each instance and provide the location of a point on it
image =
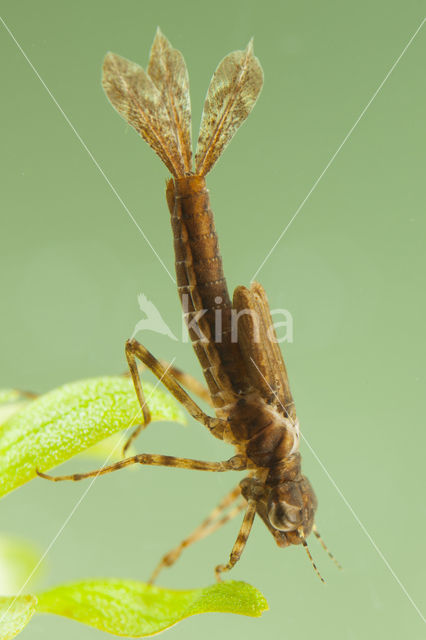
(153, 320)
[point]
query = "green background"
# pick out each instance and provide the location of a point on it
(350, 270)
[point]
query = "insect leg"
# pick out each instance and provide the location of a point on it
(134, 372)
(188, 381)
(21, 394)
(208, 526)
(241, 540)
(236, 463)
(135, 350)
(185, 379)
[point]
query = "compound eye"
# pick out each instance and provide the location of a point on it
(284, 516)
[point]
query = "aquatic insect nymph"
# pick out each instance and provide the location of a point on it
(246, 377)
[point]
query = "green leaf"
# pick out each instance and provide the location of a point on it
(12, 401)
(134, 609)
(68, 420)
(18, 560)
(15, 614)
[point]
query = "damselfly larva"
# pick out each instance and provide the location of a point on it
(247, 383)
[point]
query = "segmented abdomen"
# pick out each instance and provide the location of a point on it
(202, 287)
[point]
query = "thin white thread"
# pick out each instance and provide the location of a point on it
(84, 145)
(363, 528)
(377, 549)
(330, 162)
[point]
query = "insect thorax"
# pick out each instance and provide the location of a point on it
(268, 438)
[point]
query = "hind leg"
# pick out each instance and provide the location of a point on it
(136, 351)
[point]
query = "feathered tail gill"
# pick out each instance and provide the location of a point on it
(231, 96)
(156, 103)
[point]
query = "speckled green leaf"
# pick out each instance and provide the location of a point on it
(15, 614)
(134, 609)
(68, 420)
(12, 401)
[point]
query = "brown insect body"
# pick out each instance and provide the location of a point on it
(246, 377)
(235, 342)
(257, 429)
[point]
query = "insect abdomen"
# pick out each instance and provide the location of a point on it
(204, 245)
(202, 285)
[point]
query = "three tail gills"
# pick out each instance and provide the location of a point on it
(202, 287)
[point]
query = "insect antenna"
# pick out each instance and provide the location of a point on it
(326, 549)
(305, 544)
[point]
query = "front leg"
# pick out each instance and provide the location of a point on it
(241, 540)
(213, 522)
(236, 463)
